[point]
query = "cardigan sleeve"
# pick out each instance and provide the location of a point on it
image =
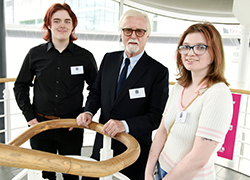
(216, 113)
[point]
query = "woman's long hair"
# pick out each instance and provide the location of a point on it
(216, 70)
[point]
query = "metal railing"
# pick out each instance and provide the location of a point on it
(241, 157)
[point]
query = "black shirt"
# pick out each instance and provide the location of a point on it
(59, 80)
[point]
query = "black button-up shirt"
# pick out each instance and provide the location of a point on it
(59, 80)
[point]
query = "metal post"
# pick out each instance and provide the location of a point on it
(242, 13)
(2, 66)
(244, 58)
(6, 95)
(121, 5)
(121, 8)
(106, 153)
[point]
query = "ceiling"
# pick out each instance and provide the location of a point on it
(216, 11)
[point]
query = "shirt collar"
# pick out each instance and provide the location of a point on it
(69, 47)
(134, 59)
(50, 45)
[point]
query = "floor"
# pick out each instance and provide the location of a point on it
(7, 173)
(228, 174)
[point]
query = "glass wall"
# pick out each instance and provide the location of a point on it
(98, 32)
(96, 15)
(100, 15)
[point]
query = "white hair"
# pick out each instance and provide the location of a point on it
(134, 13)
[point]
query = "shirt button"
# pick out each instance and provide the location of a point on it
(57, 82)
(58, 68)
(56, 95)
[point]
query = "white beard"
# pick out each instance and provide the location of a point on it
(132, 48)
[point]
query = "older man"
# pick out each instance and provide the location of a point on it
(131, 89)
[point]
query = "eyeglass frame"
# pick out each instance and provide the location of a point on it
(133, 30)
(192, 47)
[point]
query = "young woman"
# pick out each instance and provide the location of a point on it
(198, 112)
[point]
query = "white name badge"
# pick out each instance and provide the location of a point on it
(181, 117)
(76, 70)
(137, 93)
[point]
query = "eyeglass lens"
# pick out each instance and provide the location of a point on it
(198, 49)
(138, 32)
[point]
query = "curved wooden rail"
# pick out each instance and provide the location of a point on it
(239, 91)
(4, 80)
(13, 156)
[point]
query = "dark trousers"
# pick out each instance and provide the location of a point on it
(61, 141)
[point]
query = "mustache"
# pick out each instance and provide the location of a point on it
(133, 41)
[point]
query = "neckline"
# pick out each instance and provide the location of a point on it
(199, 90)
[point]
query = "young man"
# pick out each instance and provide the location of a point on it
(60, 69)
(136, 106)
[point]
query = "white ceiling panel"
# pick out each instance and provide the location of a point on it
(216, 11)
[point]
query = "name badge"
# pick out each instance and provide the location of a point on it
(76, 70)
(137, 93)
(181, 117)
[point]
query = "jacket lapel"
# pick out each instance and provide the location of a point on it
(115, 73)
(138, 71)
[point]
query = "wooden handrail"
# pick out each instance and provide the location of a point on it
(239, 91)
(13, 156)
(4, 80)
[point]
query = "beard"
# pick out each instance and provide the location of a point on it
(132, 48)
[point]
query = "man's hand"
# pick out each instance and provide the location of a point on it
(32, 122)
(84, 119)
(112, 127)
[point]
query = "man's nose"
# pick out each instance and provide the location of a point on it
(62, 24)
(133, 35)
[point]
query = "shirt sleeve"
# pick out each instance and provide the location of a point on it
(216, 114)
(22, 88)
(91, 71)
(126, 126)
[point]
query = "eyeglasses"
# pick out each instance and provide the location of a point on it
(138, 32)
(198, 49)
